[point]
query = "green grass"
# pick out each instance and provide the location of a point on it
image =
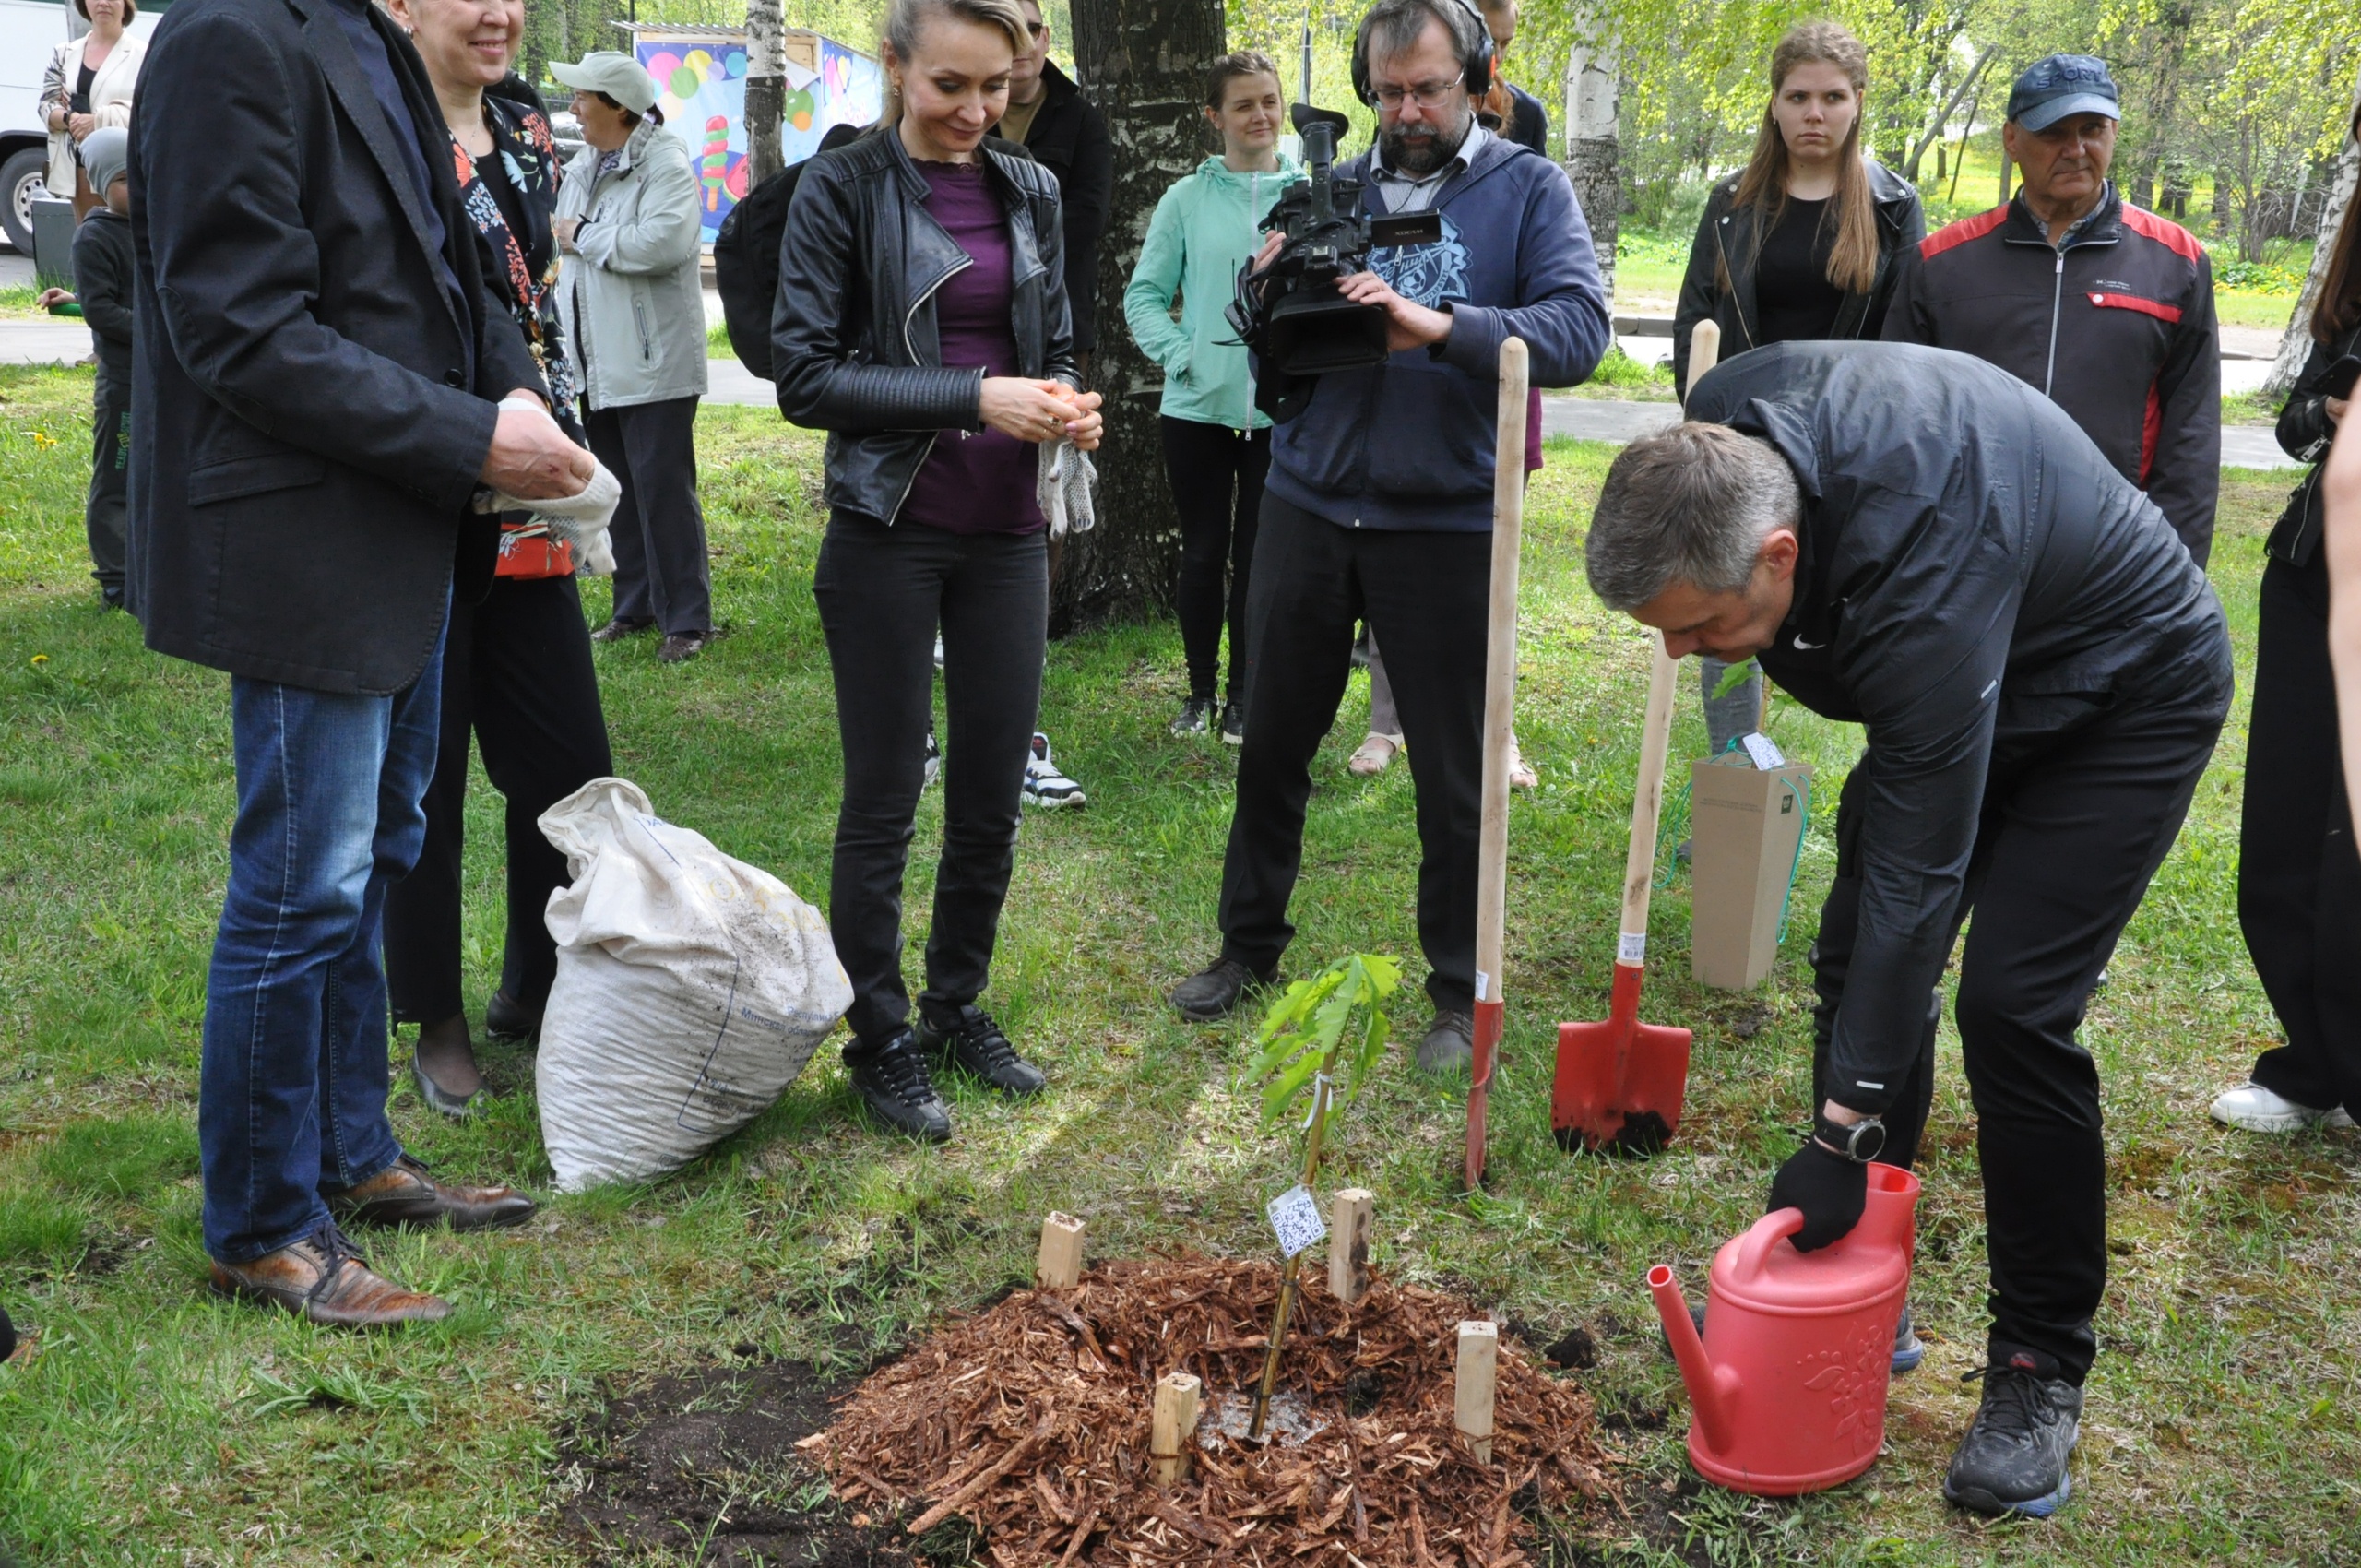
(154, 1425)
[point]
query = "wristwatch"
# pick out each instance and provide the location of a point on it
(1861, 1142)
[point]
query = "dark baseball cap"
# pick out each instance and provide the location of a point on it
(2061, 85)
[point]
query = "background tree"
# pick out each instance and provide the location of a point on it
(765, 88)
(1143, 63)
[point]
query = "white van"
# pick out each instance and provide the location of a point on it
(29, 32)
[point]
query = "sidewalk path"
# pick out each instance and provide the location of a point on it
(1584, 419)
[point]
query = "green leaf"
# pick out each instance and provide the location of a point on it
(1734, 677)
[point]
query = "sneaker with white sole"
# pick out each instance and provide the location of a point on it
(933, 767)
(1196, 717)
(2258, 1109)
(1044, 785)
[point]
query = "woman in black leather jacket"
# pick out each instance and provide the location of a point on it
(1802, 242)
(2299, 878)
(922, 322)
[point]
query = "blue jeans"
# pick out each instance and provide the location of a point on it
(291, 1095)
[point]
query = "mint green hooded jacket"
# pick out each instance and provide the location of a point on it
(1205, 228)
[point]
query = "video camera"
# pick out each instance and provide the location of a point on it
(1290, 312)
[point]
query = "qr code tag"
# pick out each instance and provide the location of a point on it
(1765, 750)
(1295, 1220)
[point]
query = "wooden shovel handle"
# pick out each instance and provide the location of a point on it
(1500, 673)
(1705, 351)
(1648, 803)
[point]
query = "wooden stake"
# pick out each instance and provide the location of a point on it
(1173, 1427)
(1059, 1267)
(1352, 1215)
(1479, 1363)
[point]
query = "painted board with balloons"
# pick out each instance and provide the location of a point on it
(701, 82)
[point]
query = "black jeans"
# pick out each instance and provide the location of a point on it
(881, 592)
(1216, 475)
(516, 673)
(2299, 879)
(1425, 594)
(2074, 824)
(661, 574)
(103, 513)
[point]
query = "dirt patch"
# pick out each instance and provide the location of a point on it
(1030, 1423)
(704, 1465)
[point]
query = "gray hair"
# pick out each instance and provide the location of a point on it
(1690, 505)
(1393, 28)
(904, 19)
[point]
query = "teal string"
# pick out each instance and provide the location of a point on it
(1803, 803)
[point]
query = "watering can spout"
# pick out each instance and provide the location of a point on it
(1713, 1391)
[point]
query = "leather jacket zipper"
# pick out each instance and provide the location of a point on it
(911, 349)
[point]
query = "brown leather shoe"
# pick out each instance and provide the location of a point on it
(322, 1278)
(403, 1193)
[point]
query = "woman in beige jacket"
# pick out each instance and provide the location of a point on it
(89, 84)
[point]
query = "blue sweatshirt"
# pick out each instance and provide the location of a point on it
(1408, 444)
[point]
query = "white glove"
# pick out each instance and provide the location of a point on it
(1064, 486)
(580, 519)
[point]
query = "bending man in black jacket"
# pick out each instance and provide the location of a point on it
(316, 360)
(1913, 540)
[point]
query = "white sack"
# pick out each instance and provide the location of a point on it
(692, 988)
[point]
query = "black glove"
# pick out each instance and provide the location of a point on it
(1828, 1188)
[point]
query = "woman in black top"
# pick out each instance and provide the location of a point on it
(2299, 877)
(1799, 244)
(516, 667)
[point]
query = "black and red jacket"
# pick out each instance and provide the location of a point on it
(2117, 329)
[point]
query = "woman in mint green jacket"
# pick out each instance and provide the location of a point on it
(1216, 444)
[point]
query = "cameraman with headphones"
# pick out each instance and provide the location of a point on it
(1379, 503)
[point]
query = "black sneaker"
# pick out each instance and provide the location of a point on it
(1450, 1045)
(1196, 717)
(1215, 992)
(978, 1047)
(1233, 724)
(894, 1083)
(2013, 1458)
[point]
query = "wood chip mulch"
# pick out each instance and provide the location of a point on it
(1031, 1421)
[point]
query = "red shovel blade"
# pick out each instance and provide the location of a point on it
(1619, 1083)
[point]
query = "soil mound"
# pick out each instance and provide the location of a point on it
(1031, 1420)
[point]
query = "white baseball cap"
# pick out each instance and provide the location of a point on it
(617, 74)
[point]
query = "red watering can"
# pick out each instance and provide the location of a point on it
(1788, 1385)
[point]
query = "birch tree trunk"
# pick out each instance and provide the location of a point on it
(765, 88)
(1143, 64)
(2295, 343)
(1594, 146)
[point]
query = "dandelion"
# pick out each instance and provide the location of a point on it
(41, 658)
(42, 439)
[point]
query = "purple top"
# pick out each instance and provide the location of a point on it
(970, 483)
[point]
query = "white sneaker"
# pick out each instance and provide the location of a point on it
(1044, 785)
(933, 761)
(2258, 1109)
(938, 650)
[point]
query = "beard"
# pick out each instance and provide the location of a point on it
(1427, 147)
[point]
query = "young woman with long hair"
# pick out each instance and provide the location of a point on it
(923, 324)
(1803, 243)
(1216, 443)
(2299, 878)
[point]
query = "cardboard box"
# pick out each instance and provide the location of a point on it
(1745, 823)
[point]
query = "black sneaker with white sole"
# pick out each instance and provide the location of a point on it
(1216, 990)
(2013, 1458)
(895, 1085)
(1233, 724)
(1196, 717)
(972, 1043)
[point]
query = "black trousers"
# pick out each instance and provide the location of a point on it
(2075, 822)
(103, 514)
(2299, 879)
(1216, 475)
(661, 572)
(1425, 594)
(516, 673)
(882, 593)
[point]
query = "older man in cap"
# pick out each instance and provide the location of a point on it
(2107, 309)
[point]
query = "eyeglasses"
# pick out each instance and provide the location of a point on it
(1425, 95)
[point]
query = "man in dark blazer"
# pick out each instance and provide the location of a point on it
(321, 385)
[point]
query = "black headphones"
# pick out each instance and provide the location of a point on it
(1476, 70)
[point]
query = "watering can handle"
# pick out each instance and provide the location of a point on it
(1766, 1233)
